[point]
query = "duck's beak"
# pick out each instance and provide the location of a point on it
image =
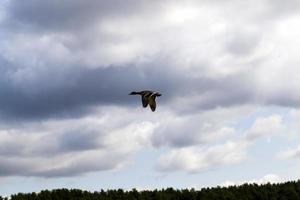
(158, 94)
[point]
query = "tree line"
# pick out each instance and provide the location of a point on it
(281, 191)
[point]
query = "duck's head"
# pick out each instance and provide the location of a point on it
(133, 93)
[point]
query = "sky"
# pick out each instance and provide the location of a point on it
(228, 72)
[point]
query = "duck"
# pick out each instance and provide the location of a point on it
(148, 98)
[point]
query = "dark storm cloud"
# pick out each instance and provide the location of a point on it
(57, 143)
(78, 167)
(74, 170)
(81, 88)
(72, 90)
(42, 168)
(10, 167)
(78, 141)
(88, 87)
(70, 14)
(284, 98)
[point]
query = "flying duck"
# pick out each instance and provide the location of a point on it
(148, 98)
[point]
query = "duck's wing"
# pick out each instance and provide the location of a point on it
(152, 103)
(145, 101)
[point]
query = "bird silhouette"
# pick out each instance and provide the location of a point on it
(148, 98)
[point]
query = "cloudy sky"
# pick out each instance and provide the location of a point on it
(228, 71)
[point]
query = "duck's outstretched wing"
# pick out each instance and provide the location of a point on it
(145, 101)
(152, 103)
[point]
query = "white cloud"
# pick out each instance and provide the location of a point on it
(119, 133)
(268, 178)
(228, 183)
(292, 153)
(195, 159)
(207, 151)
(206, 127)
(72, 146)
(265, 127)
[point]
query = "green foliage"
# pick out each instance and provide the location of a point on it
(283, 191)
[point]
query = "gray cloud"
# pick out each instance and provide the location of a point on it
(59, 148)
(278, 8)
(77, 89)
(78, 141)
(54, 167)
(57, 85)
(68, 15)
(68, 60)
(192, 130)
(243, 42)
(73, 91)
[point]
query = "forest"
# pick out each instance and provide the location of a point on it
(281, 191)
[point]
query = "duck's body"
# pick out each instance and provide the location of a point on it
(148, 98)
